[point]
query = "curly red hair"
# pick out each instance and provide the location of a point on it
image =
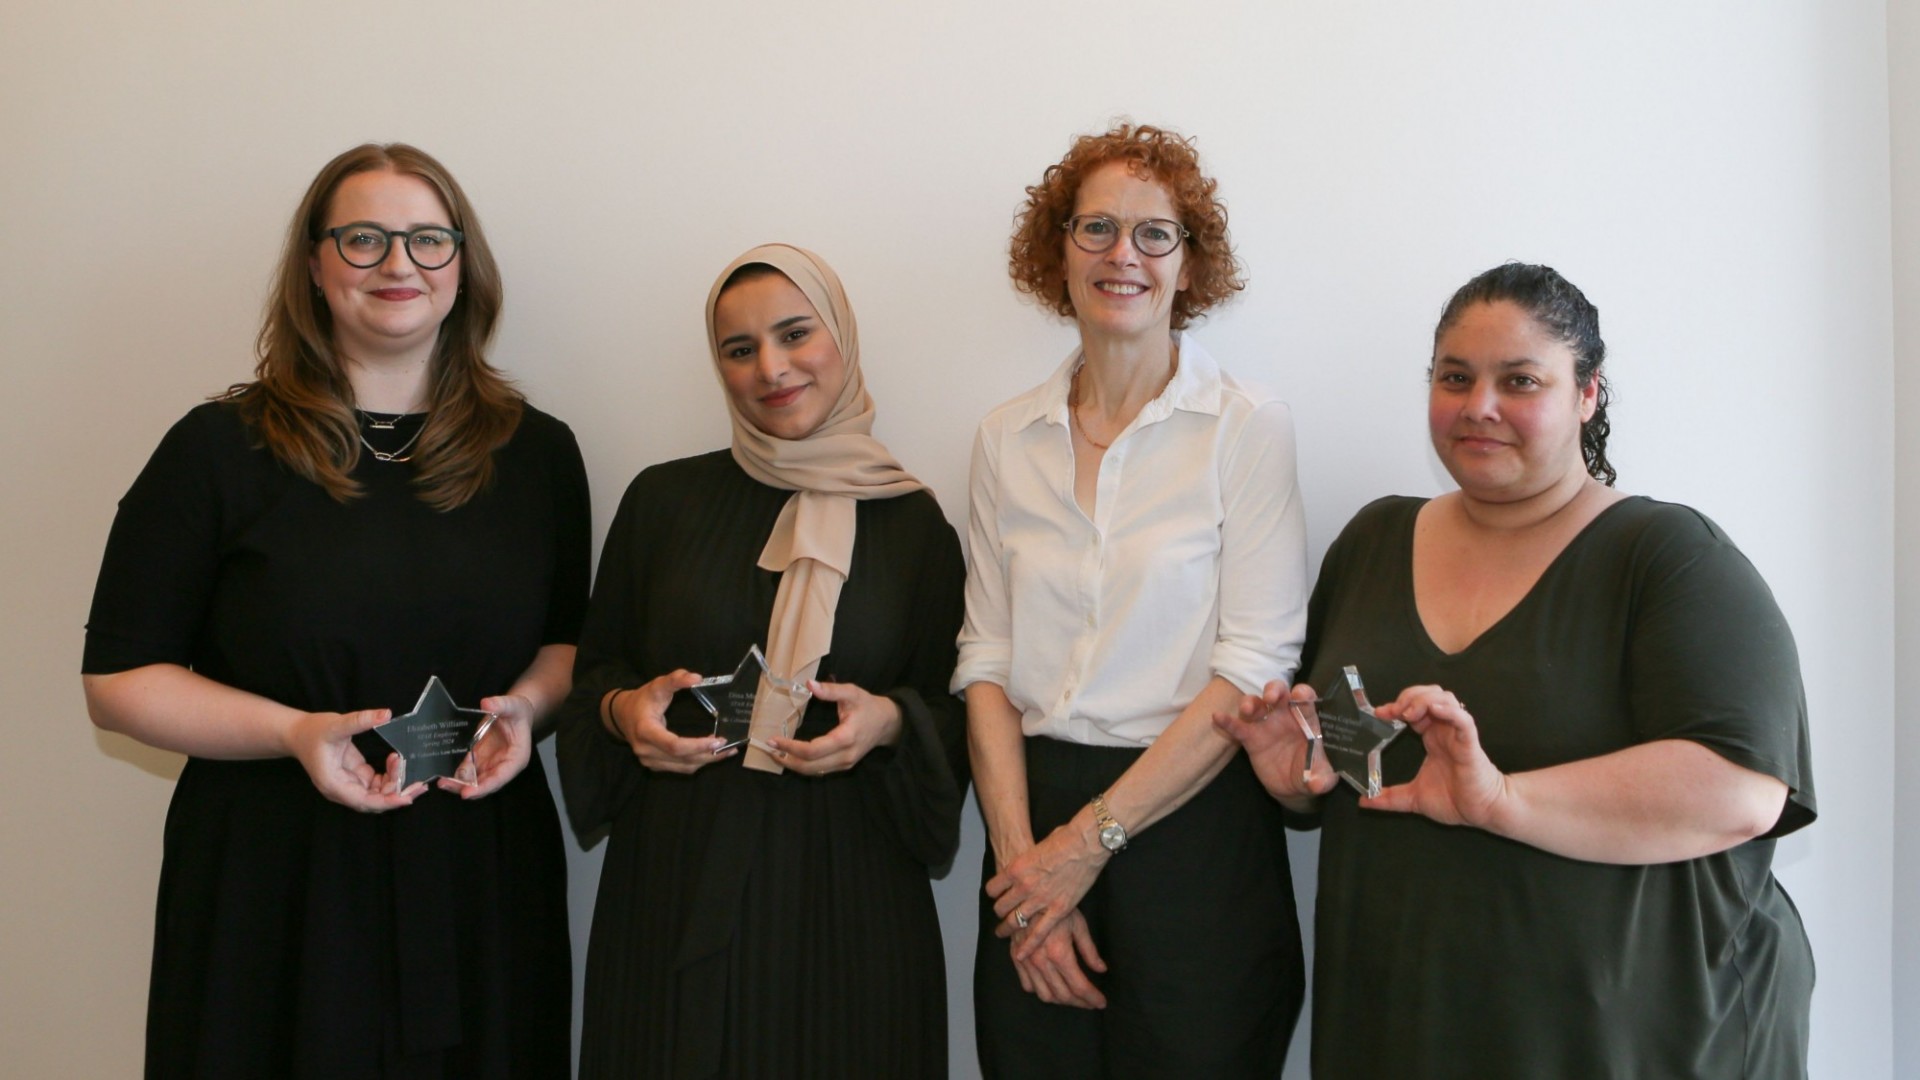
(1038, 256)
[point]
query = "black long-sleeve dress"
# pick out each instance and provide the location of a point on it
(751, 924)
(295, 937)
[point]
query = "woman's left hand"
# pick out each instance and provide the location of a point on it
(866, 721)
(500, 754)
(1044, 884)
(1457, 784)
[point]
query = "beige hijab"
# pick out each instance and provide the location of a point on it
(839, 462)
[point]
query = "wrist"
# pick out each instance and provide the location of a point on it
(1007, 847)
(1087, 827)
(292, 734)
(895, 721)
(1504, 813)
(609, 718)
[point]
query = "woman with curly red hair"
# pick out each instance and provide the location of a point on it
(1141, 506)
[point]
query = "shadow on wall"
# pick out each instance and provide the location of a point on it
(163, 764)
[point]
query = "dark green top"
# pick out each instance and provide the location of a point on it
(1450, 952)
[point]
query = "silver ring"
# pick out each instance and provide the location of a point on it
(1020, 920)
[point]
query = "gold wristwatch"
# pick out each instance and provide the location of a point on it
(1113, 835)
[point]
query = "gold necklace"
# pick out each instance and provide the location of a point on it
(1073, 411)
(1073, 399)
(382, 455)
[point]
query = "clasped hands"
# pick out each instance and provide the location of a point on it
(639, 717)
(1037, 898)
(1457, 784)
(323, 744)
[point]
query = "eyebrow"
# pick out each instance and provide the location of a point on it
(789, 321)
(1505, 365)
(380, 225)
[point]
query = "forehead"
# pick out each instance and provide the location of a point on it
(764, 298)
(1113, 189)
(388, 198)
(1501, 332)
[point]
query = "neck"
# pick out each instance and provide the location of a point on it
(1120, 377)
(390, 385)
(1568, 495)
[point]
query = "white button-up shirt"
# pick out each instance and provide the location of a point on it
(1102, 630)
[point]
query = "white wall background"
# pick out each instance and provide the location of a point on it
(1714, 174)
(1903, 48)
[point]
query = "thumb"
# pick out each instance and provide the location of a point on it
(504, 706)
(354, 723)
(832, 691)
(1398, 799)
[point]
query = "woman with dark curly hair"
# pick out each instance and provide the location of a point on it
(378, 507)
(1137, 563)
(1572, 879)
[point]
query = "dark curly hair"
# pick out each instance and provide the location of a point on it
(1038, 257)
(1563, 311)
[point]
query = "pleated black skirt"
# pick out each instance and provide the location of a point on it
(752, 925)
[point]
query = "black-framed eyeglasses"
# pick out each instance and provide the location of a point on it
(363, 244)
(1096, 233)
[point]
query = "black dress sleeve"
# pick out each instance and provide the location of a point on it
(1712, 660)
(163, 553)
(919, 786)
(573, 541)
(597, 772)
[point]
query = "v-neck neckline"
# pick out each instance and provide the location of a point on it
(1513, 613)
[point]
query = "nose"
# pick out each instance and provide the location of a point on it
(1483, 401)
(770, 363)
(397, 263)
(1123, 253)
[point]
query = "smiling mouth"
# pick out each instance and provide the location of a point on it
(781, 398)
(396, 294)
(1120, 288)
(1479, 442)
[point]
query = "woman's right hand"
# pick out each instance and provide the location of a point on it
(639, 716)
(1053, 972)
(323, 744)
(1281, 742)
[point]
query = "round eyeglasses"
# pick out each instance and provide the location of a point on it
(1096, 233)
(363, 245)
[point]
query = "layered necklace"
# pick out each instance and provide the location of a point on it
(376, 423)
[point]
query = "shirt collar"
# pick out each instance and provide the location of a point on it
(1195, 388)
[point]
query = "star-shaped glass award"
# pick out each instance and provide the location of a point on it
(436, 736)
(730, 697)
(1350, 734)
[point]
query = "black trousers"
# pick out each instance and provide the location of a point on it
(1196, 922)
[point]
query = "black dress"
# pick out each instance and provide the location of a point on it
(295, 937)
(751, 924)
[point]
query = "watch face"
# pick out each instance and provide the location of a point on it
(1113, 837)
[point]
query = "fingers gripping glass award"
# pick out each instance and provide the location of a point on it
(435, 738)
(730, 698)
(1349, 734)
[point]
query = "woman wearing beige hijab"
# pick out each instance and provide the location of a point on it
(764, 908)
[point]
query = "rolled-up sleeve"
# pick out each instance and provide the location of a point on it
(986, 635)
(1263, 561)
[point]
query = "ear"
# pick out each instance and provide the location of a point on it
(1180, 283)
(313, 266)
(1590, 398)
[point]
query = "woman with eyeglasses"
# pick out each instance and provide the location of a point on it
(764, 906)
(1137, 562)
(1567, 872)
(379, 506)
